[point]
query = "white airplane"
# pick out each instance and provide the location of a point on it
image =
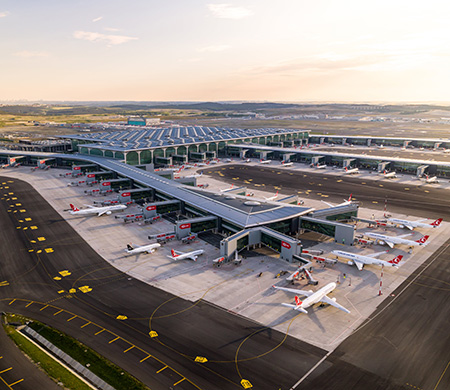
(360, 260)
(272, 197)
(351, 171)
(228, 160)
(345, 203)
(287, 164)
(312, 298)
(5, 166)
(142, 249)
(403, 223)
(380, 146)
(193, 255)
(265, 161)
(97, 210)
(190, 176)
(391, 241)
(321, 166)
(389, 175)
(431, 180)
(247, 160)
(226, 189)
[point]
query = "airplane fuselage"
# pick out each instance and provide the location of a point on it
(99, 210)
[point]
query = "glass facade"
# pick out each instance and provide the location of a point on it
(323, 228)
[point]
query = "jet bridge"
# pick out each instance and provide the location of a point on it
(421, 170)
(382, 166)
(342, 233)
(185, 227)
(285, 245)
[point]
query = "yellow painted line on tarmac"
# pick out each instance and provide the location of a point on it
(162, 369)
(58, 312)
(23, 211)
(129, 349)
(42, 308)
(71, 318)
(181, 380)
(117, 338)
(406, 189)
(338, 181)
(374, 201)
(443, 373)
(10, 368)
(363, 182)
(18, 204)
(426, 191)
(28, 219)
(143, 360)
(29, 304)
(33, 227)
(86, 324)
(10, 303)
(15, 383)
(41, 238)
(99, 332)
(381, 185)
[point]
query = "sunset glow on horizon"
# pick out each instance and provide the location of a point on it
(291, 50)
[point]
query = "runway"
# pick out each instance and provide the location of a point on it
(421, 201)
(49, 273)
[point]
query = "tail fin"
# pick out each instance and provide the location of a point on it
(346, 169)
(436, 223)
(423, 240)
(396, 260)
(298, 302)
(173, 253)
(129, 247)
(350, 198)
(276, 193)
(74, 208)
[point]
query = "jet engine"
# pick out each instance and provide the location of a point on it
(108, 212)
(350, 262)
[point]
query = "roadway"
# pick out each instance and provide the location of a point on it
(49, 273)
(422, 201)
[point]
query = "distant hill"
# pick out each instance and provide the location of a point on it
(211, 106)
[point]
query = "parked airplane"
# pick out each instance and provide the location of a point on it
(190, 176)
(431, 180)
(351, 171)
(247, 160)
(345, 203)
(226, 189)
(272, 197)
(193, 255)
(287, 164)
(265, 161)
(142, 249)
(403, 223)
(360, 260)
(312, 298)
(391, 241)
(321, 166)
(5, 166)
(389, 175)
(97, 210)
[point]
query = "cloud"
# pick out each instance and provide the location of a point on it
(228, 11)
(97, 19)
(31, 54)
(213, 48)
(103, 38)
(4, 14)
(111, 29)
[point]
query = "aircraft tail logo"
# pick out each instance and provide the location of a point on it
(423, 240)
(129, 247)
(173, 253)
(396, 260)
(74, 208)
(436, 223)
(298, 302)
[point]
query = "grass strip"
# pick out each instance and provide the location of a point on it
(103, 368)
(53, 369)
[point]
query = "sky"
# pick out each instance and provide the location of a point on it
(194, 50)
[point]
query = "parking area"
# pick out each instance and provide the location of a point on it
(246, 289)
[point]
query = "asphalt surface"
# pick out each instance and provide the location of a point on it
(421, 201)
(405, 344)
(37, 244)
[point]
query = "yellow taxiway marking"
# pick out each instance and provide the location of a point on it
(10, 368)
(443, 373)
(363, 182)
(246, 384)
(381, 185)
(162, 369)
(86, 324)
(143, 360)
(23, 211)
(4, 283)
(28, 219)
(64, 273)
(39, 251)
(41, 238)
(49, 250)
(72, 291)
(29, 304)
(128, 349)
(85, 289)
(15, 383)
(61, 291)
(58, 312)
(181, 380)
(10, 303)
(100, 331)
(18, 204)
(374, 201)
(71, 318)
(406, 189)
(57, 278)
(338, 181)
(153, 334)
(42, 308)
(14, 198)
(117, 338)
(201, 359)
(33, 227)
(121, 317)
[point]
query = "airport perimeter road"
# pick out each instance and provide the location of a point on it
(49, 273)
(405, 344)
(422, 201)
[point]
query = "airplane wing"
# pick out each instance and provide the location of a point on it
(192, 257)
(359, 264)
(103, 212)
(404, 235)
(90, 206)
(329, 204)
(332, 302)
(377, 254)
(410, 227)
(389, 243)
(294, 291)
